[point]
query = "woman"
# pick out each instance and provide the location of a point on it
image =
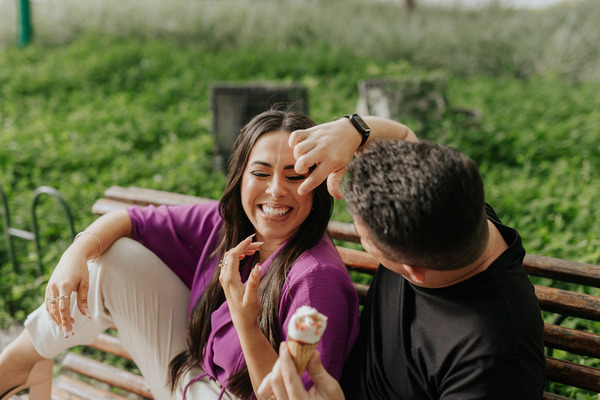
(241, 265)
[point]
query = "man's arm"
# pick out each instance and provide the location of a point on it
(331, 146)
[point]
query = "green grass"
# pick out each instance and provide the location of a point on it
(116, 93)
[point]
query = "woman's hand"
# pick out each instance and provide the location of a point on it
(71, 275)
(243, 302)
(245, 308)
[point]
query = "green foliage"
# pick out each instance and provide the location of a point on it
(491, 41)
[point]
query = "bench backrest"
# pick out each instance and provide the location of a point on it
(558, 304)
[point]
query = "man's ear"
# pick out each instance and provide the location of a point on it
(416, 274)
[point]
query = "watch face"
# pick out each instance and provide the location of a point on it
(362, 123)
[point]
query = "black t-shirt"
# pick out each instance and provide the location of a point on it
(479, 339)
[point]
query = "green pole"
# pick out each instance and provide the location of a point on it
(25, 31)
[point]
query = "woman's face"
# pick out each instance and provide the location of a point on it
(270, 190)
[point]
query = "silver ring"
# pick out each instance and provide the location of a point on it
(222, 263)
(56, 299)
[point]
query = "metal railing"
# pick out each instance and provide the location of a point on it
(33, 235)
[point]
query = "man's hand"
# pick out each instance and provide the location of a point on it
(284, 383)
(329, 148)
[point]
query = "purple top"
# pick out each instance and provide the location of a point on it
(184, 237)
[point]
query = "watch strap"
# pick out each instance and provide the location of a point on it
(361, 126)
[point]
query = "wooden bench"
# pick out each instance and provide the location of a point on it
(556, 303)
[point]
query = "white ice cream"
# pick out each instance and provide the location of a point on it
(307, 325)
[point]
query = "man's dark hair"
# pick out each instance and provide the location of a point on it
(422, 203)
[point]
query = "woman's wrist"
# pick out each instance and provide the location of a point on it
(87, 245)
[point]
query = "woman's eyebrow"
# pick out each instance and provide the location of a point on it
(263, 163)
(266, 164)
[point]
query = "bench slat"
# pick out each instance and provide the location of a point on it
(66, 388)
(575, 304)
(104, 206)
(110, 344)
(107, 374)
(361, 290)
(572, 340)
(358, 260)
(343, 231)
(551, 396)
(562, 270)
(143, 196)
(581, 376)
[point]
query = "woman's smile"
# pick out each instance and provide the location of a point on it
(277, 211)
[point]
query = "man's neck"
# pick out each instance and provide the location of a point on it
(494, 248)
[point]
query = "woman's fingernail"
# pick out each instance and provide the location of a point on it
(87, 313)
(254, 234)
(258, 243)
(65, 332)
(256, 271)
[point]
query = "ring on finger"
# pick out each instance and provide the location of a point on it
(56, 299)
(222, 263)
(52, 300)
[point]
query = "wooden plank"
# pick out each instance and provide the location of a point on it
(66, 388)
(104, 206)
(551, 396)
(110, 344)
(572, 340)
(361, 290)
(358, 260)
(581, 376)
(562, 270)
(575, 304)
(143, 196)
(343, 231)
(107, 374)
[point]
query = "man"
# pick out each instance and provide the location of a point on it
(450, 313)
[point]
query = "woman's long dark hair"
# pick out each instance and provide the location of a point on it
(236, 227)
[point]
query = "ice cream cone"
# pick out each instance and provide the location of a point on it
(304, 333)
(301, 353)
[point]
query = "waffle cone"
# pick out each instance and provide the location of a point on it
(301, 353)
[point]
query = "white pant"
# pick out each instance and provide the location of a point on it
(132, 289)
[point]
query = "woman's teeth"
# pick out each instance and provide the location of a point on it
(275, 211)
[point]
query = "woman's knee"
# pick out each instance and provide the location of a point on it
(126, 259)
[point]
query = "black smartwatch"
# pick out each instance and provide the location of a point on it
(360, 125)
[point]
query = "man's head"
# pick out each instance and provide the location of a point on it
(421, 203)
